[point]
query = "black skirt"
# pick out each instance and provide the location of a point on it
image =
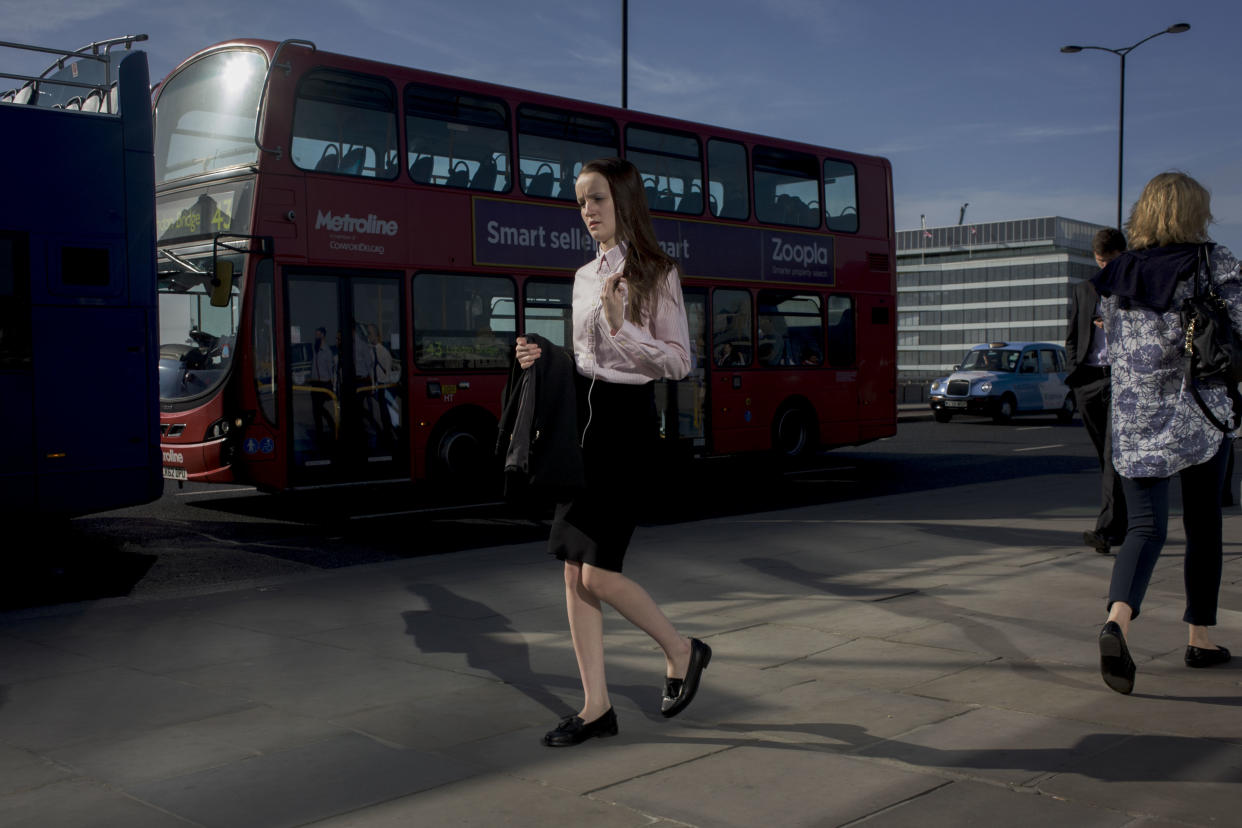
(617, 427)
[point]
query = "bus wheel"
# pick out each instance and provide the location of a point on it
(1004, 411)
(793, 431)
(464, 454)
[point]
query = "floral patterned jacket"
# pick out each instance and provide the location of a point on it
(1157, 426)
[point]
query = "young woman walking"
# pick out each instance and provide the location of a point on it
(1158, 428)
(629, 329)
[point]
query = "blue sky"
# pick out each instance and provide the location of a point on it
(971, 100)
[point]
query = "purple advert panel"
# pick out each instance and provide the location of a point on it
(521, 234)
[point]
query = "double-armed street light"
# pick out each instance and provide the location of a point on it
(1176, 28)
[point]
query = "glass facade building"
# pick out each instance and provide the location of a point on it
(962, 285)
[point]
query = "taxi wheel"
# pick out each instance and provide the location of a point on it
(1004, 411)
(1066, 412)
(941, 415)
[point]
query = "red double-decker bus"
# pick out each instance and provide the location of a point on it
(348, 250)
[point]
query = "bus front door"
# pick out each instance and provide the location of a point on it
(346, 379)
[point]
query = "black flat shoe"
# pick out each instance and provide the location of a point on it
(678, 693)
(1096, 541)
(1116, 666)
(573, 731)
(1200, 657)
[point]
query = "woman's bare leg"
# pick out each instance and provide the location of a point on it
(586, 627)
(640, 609)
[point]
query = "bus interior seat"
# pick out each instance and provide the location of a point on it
(7, 97)
(114, 99)
(23, 94)
(692, 203)
(74, 103)
(330, 160)
(460, 176)
(541, 185)
(351, 162)
(485, 176)
(421, 169)
(93, 102)
(666, 201)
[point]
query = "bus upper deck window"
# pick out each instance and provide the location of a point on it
(346, 124)
(455, 139)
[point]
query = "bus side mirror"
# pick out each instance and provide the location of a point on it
(222, 285)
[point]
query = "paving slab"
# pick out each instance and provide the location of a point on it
(490, 800)
(973, 803)
(110, 702)
(996, 745)
(81, 803)
(750, 785)
(1194, 780)
(301, 785)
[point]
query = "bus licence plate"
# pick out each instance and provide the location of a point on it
(947, 404)
(172, 473)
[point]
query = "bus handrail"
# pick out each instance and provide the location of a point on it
(88, 52)
(260, 117)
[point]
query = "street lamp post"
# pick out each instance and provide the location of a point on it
(1176, 28)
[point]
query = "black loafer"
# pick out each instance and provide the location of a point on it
(678, 693)
(573, 731)
(1096, 541)
(1116, 666)
(1199, 657)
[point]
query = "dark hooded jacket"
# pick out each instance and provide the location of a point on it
(1147, 278)
(538, 434)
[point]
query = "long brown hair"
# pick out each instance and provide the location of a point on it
(1173, 209)
(646, 264)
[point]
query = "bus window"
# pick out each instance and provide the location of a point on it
(455, 139)
(345, 123)
(455, 321)
(840, 331)
(728, 193)
(786, 187)
(840, 196)
(205, 115)
(671, 167)
(197, 340)
(791, 329)
(553, 144)
(549, 312)
(731, 343)
(15, 332)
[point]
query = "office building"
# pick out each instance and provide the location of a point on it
(962, 285)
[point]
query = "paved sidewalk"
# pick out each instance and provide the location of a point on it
(922, 660)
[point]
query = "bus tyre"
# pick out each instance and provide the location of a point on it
(942, 416)
(1066, 412)
(1004, 411)
(464, 454)
(793, 432)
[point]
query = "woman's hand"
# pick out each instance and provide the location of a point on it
(612, 298)
(526, 352)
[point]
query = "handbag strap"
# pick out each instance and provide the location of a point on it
(1204, 263)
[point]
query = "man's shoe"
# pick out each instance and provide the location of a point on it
(1200, 657)
(1116, 666)
(678, 693)
(573, 731)
(1096, 541)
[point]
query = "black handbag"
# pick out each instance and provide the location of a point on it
(1213, 348)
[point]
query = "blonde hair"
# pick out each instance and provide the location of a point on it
(1173, 209)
